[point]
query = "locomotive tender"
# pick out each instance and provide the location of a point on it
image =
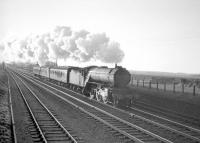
(95, 82)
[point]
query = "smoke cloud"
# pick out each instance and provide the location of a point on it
(61, 44)
(2, 47)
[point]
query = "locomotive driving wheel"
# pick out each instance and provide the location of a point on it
(105, 101)
(91, 96)
(99, 97)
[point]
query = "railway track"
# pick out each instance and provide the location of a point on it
(123, 129)
(44, 127)
(179, 135)
(13, 132)
(192, 121)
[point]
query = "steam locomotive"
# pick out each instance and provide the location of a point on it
(101, 83)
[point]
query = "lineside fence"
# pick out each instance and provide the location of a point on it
(173, 87)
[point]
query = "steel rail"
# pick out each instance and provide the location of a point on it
(14, 139)
(49, 112)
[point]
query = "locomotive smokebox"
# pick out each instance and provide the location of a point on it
(121, 77)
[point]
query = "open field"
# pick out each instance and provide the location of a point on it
(185, 83)
(178, 102)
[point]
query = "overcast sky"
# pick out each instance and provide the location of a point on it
(155, 35)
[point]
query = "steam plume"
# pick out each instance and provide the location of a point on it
(63, 43)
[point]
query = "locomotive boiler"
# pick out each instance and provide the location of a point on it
(101, 81)
(115, 77)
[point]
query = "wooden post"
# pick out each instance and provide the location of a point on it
(182, 87)
(194, 90)
(149, 84)
(157, 85)
(174, 87)
(164, 86)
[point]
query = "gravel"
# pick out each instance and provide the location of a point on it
(5, 120)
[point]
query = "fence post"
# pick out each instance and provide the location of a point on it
(157, 85)
(182, 87)
(149, 84)
(164, 86)
(174, 87)
(132, 80)
(194, 90)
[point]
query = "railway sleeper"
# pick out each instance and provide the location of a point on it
(146, 138)
(121, 126)
(61, 135)
(60, 141)
(45, 122)
(57, 139)
(129, 129)
(118, 134)
(143, 136)
(37, 140)
(36, 136)
(34, 132)
(49, 123)
(122, 137)
(53, 129)
(54, 132)
(118, 125)
(42, 115)
(50, 126)
(137, 134)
